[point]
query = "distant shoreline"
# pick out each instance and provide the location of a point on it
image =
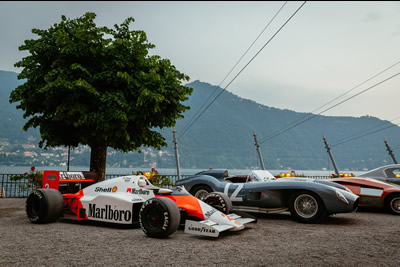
(165, 171)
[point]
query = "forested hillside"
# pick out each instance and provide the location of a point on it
(223, 136)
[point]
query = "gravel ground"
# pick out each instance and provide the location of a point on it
(363, 238)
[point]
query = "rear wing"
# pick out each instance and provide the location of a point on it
(69, 180)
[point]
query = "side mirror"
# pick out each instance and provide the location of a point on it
(141, 183)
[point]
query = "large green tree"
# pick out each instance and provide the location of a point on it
(98, 86)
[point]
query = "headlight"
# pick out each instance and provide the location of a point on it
(348, 190)
(341, 197)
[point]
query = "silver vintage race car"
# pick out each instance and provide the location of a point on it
(387, 173)
(308, 200)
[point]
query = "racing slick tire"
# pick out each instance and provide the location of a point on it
(159, 217)
(307, 207)
(44, 205)
(392, 204)
(219, 201)
(201, 191)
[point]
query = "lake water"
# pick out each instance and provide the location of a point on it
(165, 171)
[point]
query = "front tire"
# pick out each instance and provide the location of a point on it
(219, 201)
(159, 217)
(392, 204)
(201, 191)
(44, 205)
(307, 207)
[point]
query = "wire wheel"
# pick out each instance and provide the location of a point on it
(201, 194)
(306, 206)
(393, 204)
(201, 191)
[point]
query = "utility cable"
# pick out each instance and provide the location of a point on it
(376, 126)
(198, 111)
(364, 135)
(347, 99)
(397, 147)
(308, 114)
(234, 78)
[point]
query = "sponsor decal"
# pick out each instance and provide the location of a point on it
(51, 177)
(137, 192)
(234, 195)
(137, 199)
(127, 179)
(224, 215)
(166, 220)
(114, 189)
(71, 175)
(38, 194)
(34, 219)
(209, 213)
(107, 213)
(371, 191)
(201, 230)
(100, 189)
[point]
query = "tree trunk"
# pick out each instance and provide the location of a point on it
(98, 157)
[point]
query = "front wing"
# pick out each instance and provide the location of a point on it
(212, 229)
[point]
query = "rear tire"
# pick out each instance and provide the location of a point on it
(159, 217)
(392, 204)
(219, 201)
(44, 205)
(307, 207)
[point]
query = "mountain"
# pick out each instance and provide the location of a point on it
(223, 136)
(11, 120)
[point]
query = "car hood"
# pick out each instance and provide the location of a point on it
(366, 181)
(320, 181)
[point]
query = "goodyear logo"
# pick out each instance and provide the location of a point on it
(201, 230)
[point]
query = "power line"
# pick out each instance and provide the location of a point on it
(234, 78)
(194, 116)
(284, 128)
(347, 99)
(364, 135)
(376, 126)
(397, 147)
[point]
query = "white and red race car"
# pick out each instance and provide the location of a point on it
(129, 200)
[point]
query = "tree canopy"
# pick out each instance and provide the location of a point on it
(98, 86)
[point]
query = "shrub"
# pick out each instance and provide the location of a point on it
(34, 178)
(155, 178)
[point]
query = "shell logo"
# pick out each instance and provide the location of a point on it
(114, 189)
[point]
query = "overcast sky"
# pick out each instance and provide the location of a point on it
(326, 49)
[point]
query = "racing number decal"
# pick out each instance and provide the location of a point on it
(234, 196)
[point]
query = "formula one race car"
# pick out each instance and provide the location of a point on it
(129, 200)
(308, 200)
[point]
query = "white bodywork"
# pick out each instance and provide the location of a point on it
(261, 175)
(112, 201)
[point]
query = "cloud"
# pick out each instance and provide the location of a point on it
(372, 17)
